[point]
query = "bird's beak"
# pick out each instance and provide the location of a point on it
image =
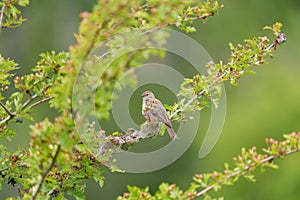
(143, 95)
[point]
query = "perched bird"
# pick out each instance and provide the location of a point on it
(154, 111)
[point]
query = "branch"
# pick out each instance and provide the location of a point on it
(219, 73)
(132, 136)
(266, 160)
(201, 17)
(5, 120)
(1, 15)
(10, 114)
(196, 96)
(280, 38)
(29, 100)
(6, 110)
(158, 27)
(39, 102)
(244, 166)
(7, 168)
(104, 55)
(39, 185)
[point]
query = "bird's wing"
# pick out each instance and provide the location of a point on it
(161, 113)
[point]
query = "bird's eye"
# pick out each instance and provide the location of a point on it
(144, 94)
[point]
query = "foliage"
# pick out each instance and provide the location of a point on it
(32, 89)
(10, 15)
(244, 166)
(57, 163)
(197, 91)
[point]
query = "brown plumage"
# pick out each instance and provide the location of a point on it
(153, 110)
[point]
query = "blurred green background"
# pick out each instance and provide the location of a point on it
(264, 105)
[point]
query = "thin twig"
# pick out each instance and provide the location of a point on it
(1, 15)
(29, 100)
(6, 109)
(5, 120)
(157, 28)
(39, 102)
(281, 38)
(143, 33)
(102, 56)
(40, 183)
(145, 6)
(188, 103)
(268, 159)
(7, 168)
(4, 169)
(196, 96)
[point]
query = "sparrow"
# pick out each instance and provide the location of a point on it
(154, 111)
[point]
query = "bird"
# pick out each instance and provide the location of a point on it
(154, 111)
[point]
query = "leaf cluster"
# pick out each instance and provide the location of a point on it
(197, 92)
(10, 14)
(57, 163)
(30, 89)
(245, 165)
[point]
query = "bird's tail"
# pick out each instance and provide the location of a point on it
(172, 133)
